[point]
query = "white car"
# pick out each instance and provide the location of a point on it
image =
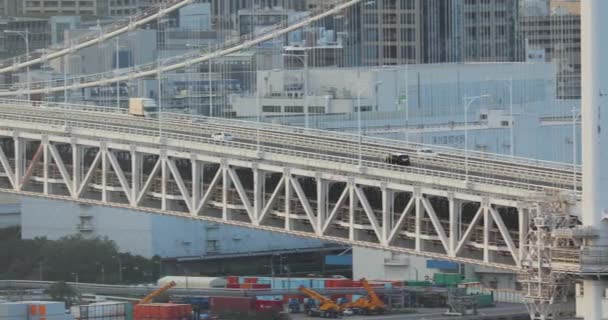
(426, 152)
(348, 312)
(222, 136)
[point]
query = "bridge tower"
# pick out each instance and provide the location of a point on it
(594, 57)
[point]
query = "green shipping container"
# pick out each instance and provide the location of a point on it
(484, 300)
(448, 279)
(128, 311)
(418, 283)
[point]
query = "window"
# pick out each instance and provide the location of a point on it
(294, 109)
(271, 108)
(364, 109)
(504, 123)
(316, 109)
(389, 18)
(483, 117)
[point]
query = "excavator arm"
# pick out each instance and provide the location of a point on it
(325, 303)
(373, 297)
(315, 295)
(157, 292)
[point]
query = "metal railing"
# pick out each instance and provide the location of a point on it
(132, 133)
(178, 62)
(313, 139)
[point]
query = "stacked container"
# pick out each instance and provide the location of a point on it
(219, 305)
(447, 279)
(33, 310)
(163, 311)
(103, 311)
(13, 311)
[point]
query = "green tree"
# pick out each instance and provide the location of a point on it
(61, 291)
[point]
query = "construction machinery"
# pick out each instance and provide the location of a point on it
(327, 308)
(157, 292)
(369, 304)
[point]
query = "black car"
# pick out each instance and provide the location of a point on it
(398, 159)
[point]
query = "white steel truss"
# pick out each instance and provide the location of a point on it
(348, 208)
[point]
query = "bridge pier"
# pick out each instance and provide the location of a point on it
(594, 133)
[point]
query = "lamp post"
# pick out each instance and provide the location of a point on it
(119, 267)
(576, 114)
(377, 85)
(304, 59)
(103, 272)
(509, 85)
(40, 270)
(26, 36)
(468, 101)
(159, 76)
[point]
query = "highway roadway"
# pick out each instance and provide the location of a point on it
(544, 174)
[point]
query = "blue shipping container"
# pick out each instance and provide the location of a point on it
(343, 260)
(441, 264)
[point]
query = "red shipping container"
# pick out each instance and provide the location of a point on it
(233, 286)
(268, 305)
(162, 311)
(218, 305)
(232, 280)
(338, 283)
(260, 286)
(251, 280)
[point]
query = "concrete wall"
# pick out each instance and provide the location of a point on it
(148, 234)
(424, 90)
(383, 265)
(10, 211)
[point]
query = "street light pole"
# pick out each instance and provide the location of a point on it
(304, 59)
(359, 126)
(27, 52)
(511, 115)
(468, 101)
(117, 68)
(512, 129)
(119, 268)
(306, 117)
(575, 116)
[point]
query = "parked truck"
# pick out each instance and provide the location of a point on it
(142, 107)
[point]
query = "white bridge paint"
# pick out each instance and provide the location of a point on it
(546, 247)
(324, 10)
(90, 39)
(594, 23)
(287, 208)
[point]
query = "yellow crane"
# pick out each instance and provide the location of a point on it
(368, 304)
(157, 292)
(327, 307)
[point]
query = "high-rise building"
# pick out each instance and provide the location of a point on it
(10, 8)
(558, 36)
(436, 31)
(391, 32)
(490, 31)
(85, 8)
